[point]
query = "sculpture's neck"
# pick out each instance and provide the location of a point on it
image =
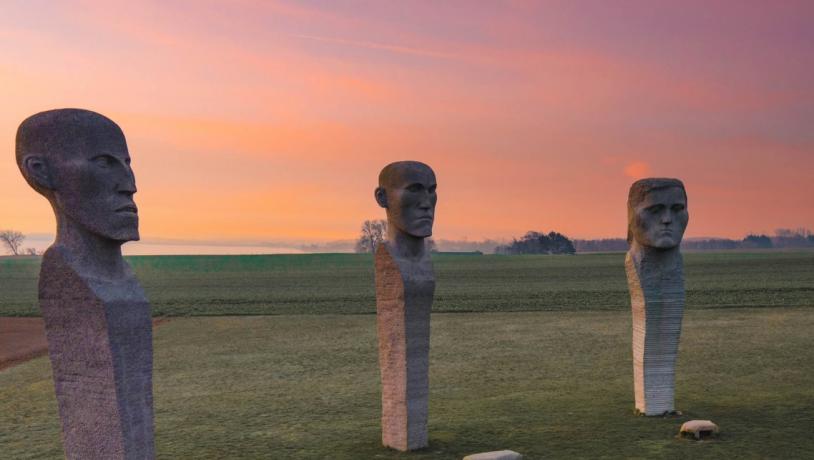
(89, 254)
(645, 255)
(406, 246)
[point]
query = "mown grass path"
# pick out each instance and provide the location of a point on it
(546, 384)
(343, 283)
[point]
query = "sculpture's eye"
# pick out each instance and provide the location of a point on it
(414, 188)
(432, 188)
(655, 209)
(104, 161)
(678, 207)
(127, 161)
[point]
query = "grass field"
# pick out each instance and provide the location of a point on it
(546, 384)
(343, 283)
(528, 353)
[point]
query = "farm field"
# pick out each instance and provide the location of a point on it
(530, 353)
(546, 384)
(343, 283)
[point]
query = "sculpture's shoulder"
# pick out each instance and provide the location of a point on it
(384, 259)
(383, 250)
(630, 258)
(57, 277)
(387, 258)
(125, 289)
(632, 265)
(55, 257)
(654, 266)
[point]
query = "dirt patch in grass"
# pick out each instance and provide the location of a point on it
(22, 339)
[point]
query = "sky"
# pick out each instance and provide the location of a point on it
(270, 121)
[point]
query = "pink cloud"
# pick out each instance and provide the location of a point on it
(637, 169)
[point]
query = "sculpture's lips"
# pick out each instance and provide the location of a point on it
(424, 218)
(131, 208)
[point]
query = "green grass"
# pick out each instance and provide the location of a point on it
(546, 384)
(541, 364)
(343, 283)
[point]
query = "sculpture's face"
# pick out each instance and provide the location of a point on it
(661, 218)
(94, 187)
(411, 201)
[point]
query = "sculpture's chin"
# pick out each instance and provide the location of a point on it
(660, 242)
(131, 237)
(413, 230)
(120, 235)
(422, 230)
(666, 243)
(421, 234)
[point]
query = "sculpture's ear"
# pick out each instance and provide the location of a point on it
(35, 170)
(381, 196)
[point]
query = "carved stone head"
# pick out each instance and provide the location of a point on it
(657, 213)
(78, 160)
(407, 191)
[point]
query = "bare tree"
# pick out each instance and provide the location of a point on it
(31, 252)
(373, 233)
(13, 240)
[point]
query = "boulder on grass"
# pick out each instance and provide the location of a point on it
(699, 429)
(496, 455)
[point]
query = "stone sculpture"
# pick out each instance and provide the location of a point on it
(657, 218)
(405, 284)
(97, 318)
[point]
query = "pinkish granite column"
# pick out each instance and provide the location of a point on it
(404, 294)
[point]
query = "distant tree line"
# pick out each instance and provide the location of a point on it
(538, 243)
(601, 245)
(486, 246)
(788, 238)
(707, 244)
(375, 231)
(783, 238)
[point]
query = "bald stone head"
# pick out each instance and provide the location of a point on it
(407, 191)
(657, 213)
(78, 160)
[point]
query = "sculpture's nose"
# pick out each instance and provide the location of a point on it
(426, 200)
(127, 183)
(666, 216)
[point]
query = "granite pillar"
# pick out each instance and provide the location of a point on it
(656, 284)
(404, 293)
(100, 344)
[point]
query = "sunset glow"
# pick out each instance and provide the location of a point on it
(270, 121)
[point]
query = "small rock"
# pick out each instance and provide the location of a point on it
(496, 455)
(699, 429)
